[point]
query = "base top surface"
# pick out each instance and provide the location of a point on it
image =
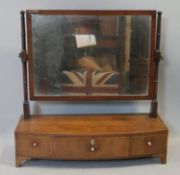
(90, 124)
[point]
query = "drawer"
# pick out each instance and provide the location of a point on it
(33, 145)
(89, 148)
(73, 148)
(149, 144)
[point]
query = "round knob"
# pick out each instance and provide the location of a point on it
(92, 149)
(149, 143)
(92, 141)
(35, 144)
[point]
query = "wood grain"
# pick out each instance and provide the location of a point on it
(91, 124)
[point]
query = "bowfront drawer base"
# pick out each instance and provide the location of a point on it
(91, 142)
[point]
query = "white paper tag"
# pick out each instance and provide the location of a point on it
(83, 40)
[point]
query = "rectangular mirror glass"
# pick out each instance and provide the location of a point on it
(90, 55)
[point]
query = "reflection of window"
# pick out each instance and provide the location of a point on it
(84, 40)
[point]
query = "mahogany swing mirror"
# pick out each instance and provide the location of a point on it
(91, 55)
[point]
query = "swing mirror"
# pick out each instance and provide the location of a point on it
(91, 55)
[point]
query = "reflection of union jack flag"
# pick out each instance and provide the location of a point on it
(91, 83)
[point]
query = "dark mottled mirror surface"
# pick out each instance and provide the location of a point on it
(77, 55)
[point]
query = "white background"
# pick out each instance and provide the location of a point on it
(11, 92)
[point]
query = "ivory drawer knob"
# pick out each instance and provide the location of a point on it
(149, 143)
(35, 144)
(92, 141)
(92, 149)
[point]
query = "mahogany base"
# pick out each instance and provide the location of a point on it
(90, 137)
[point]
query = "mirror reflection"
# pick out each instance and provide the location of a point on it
(78, 55)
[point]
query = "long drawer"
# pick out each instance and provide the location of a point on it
(73, 147)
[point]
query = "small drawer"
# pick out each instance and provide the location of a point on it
(148, 144)
(34, 145)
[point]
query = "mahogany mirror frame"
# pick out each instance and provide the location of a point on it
(149, 96)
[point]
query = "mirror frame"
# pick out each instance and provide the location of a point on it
(150, 90)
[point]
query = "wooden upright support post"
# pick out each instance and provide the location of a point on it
(24, 57)
(154, 102)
